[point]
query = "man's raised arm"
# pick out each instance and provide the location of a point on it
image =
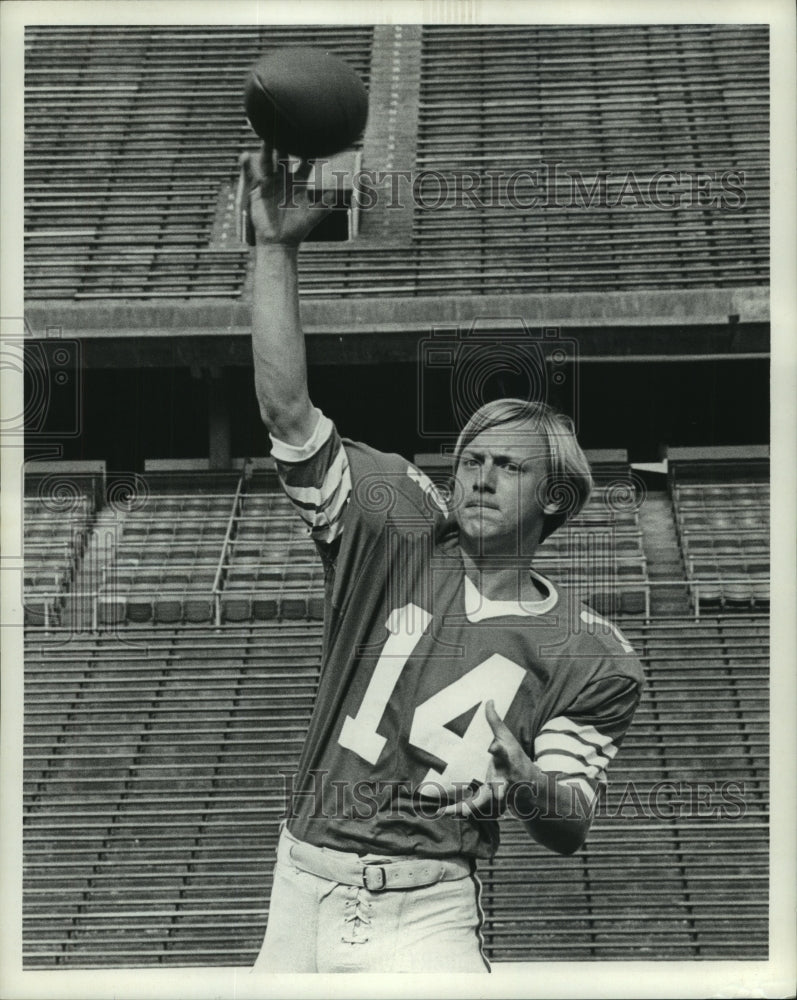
(279, 214)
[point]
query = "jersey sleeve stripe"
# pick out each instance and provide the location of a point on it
(328, 532)
(587, 762)
(316, 479)
(559, 737)
(327, 511)
(561, 743)
(317, 496)
(586, 734)
(563, 763)
(333, 504)
(291, 453)
(314, 519)
(326, 524)
(570, 734)
(323, 527)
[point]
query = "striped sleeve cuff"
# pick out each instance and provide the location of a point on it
(292, 454)
(564, 746)
(316, 478)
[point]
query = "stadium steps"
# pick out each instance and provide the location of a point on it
(153, 792)
(124, 190)
(55, 531)
(391, 136)
(663, 556)
(99, 553)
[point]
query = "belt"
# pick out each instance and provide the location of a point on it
(377, 875)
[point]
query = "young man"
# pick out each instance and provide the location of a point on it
(456, 681)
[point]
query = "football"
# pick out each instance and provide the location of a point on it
(305, 102)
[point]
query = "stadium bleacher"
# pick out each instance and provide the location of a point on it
(166, 561)
(173, 637)
(154, 762)
(210, 558)
(131, 210)
(273, 569)
(244, 556)
(56, 528)
(723, 530)
(153, 791)
(140, 204)
(493, 102)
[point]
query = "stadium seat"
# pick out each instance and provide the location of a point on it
(139, 608)
(168, 610)
(265, 609)
(718, 552)
(238, 609)
(111, 611)
(198, 610)
(152, 786)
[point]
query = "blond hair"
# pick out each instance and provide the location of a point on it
(568, 484)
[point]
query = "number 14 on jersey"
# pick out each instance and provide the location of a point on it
(464, 758)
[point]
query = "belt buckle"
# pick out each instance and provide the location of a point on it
(378, 870)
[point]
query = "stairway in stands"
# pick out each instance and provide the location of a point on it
(663, 556)
(78, 614)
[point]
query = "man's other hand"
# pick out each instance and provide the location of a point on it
(509, 765)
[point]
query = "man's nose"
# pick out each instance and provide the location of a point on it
(485, 480)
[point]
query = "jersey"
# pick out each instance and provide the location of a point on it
(412, 652)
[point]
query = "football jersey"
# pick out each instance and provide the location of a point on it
(412, 652)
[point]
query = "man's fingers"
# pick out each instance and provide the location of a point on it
(266, 185)
(473, 803)
(250, 169)
(500, 731)
(499, 753)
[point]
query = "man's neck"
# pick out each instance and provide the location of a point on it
(502, 578)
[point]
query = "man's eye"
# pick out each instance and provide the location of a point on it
(512, 467)
(470, 463)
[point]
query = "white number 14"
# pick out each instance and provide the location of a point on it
(466, 757)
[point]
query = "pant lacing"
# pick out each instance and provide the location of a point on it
(357, 916)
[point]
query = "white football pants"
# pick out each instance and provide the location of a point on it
(316, 925)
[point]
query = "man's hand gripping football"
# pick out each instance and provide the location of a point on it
(272, 204)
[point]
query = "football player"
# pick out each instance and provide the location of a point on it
(456, 681)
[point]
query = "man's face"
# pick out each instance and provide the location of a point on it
(500, 475)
